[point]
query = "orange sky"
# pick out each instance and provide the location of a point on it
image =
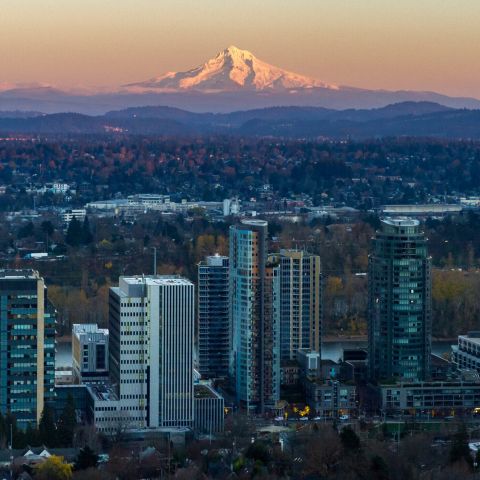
(406, 44)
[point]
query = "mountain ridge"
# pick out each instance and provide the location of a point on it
(424, 119)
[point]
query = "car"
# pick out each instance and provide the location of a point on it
(304, 419)
(279, 419)
(317, 419)
(344, 418)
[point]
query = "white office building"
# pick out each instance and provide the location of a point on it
(151, 325)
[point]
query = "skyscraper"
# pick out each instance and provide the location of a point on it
(27, 346)
(399, 303)
(213, 317)
(300, 302)
(151, 349)
(255, 317)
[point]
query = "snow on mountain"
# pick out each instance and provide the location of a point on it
(232, 69)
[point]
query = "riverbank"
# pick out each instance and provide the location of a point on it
(364, 338)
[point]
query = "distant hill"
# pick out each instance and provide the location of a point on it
(401, 119)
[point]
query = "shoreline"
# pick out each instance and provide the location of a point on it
(364, 338)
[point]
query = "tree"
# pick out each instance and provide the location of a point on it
(47, 227)
(46, 427)
(74, 233)
(27, 230)
(67, 423)
(87, 458)
(87, 236)
(53, 468)
(350, 440)
(460, 449)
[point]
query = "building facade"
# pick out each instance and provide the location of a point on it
(209, 410)
(255, 317)
(151, 324)
(330, 398)
(27, 346)
(438, 398)
(89, 352)
(466, 354)
(399, 302)
(300, 302)
(213, 317)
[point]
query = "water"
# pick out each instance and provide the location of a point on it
(334, 350)
(330, 350)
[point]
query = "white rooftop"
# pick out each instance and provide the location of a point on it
(156, 280)
(401, 222)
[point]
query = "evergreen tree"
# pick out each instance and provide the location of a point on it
(460, 449)
(47, 227)
(350, 440)
(87, 236)
(66, 424)
(46, 428)
(74, 235)
(87, 458)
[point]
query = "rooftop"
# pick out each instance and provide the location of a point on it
(204, 391)
(80, 328)
(156, 280)
(11, 274)
(254, 223)
(400, 222)
(473, 337)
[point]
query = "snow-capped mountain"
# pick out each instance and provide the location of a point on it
(232, 69)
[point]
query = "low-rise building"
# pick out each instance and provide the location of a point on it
(78, 213)
(89, 352)
(208, 410)
(466, 354)
(330, 398)
(438, 398)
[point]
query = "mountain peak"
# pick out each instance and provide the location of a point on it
(232, 69)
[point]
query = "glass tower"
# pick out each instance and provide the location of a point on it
(300, 302)
(399, 304)
(213, 317)
(255, 317)
(27, 346)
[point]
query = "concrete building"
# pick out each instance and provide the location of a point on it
(255, 317)
(78, 213)
(300, 302)
(231, 207)
(209, 410)
(399, 302)
(151, 324)
(89, 352)
(466, 354)
(27, 347)
(437, 398)
(213, 317)
(330, 398)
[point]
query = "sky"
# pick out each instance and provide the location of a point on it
(391, 44)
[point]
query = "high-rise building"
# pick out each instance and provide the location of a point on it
(89, 352)
(27, 346)
(151, 349)
(255, 317)
(213, 317)
(399, 302)
(300, 302)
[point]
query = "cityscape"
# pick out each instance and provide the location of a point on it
(239, 241)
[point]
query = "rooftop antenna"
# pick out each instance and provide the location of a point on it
(155, 261)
